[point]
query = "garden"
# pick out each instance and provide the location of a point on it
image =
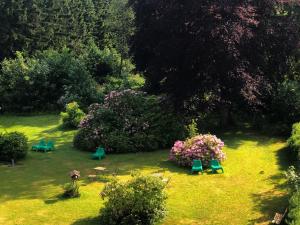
(139, 112)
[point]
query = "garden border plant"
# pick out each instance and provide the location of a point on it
(204, 147)
(13, 146)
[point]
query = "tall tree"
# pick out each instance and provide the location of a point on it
(39, 24)
(217, 51)
(119, 27)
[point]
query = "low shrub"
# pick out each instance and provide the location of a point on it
(204, 147)
(71, 190)
(294, 140)
(72, 116)
(294, 204)
(13, 146)
(140, 201)
(294, 209)
(128, 121)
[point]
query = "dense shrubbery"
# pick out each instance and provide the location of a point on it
(294, 207)
(128, 121)
(72, 116)
(141, 201)
(284, 108)
(294, 140)
(204, 147)
(45, 81)
(13, 146)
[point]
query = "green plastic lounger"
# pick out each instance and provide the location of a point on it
(99, 154)
(215, 165)
(38, 146)
(48, 147)
(197, 166)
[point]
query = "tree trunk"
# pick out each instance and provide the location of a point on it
(12, 162)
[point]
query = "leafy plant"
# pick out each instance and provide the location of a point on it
(13, 146)
(191, 129)
(140, 201)
(73, 115)
(294, 140)
(204, 147)
(128, 121)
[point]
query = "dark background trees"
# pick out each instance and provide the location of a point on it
(214, 53)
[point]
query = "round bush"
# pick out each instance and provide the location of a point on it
(294, 140)
(128, 121)
(141, 201)
(72, 116)
(13, 146)
(204, 147)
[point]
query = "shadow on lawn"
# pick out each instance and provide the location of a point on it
(234, 139)
(275, 200)
(87, 221)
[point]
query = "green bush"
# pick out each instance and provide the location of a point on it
(83, 141)
(72, 116)
(140, 201)
(294, 209)
(285, 106)
(46, 81)
(71, 190)
(128, 121)
(294, 140)
(13, 146)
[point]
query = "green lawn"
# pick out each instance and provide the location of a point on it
(250, 191)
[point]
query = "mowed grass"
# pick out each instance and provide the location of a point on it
(250, 191)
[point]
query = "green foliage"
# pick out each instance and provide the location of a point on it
(140, 201)
(119, 26)
(39, 24)
(71, 190)
(294, 140)
(285, 106)
(13, 146)
(44, 81)
(192, 129)
(134, 82)
(294, 209)
(82, 142)
(128, 121)
(293, 178)
(72, 116)
(105, 62)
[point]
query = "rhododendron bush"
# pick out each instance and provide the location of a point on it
(204, 147)
(128, 121)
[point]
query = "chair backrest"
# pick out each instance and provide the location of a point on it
(50, 143)
(42, 142)
(100, 150)
(197, 162)
(214, 162)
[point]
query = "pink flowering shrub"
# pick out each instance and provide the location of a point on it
(128, 121)
(204, 147)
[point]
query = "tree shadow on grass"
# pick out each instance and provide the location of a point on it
(87, 221)
(269, 203)
(56, 198)
(276, 199)
(234, 139)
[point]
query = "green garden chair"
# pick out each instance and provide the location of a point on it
(99, 154)
(48, 147)
(40, 145)
(215, 165)
(197, 166)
